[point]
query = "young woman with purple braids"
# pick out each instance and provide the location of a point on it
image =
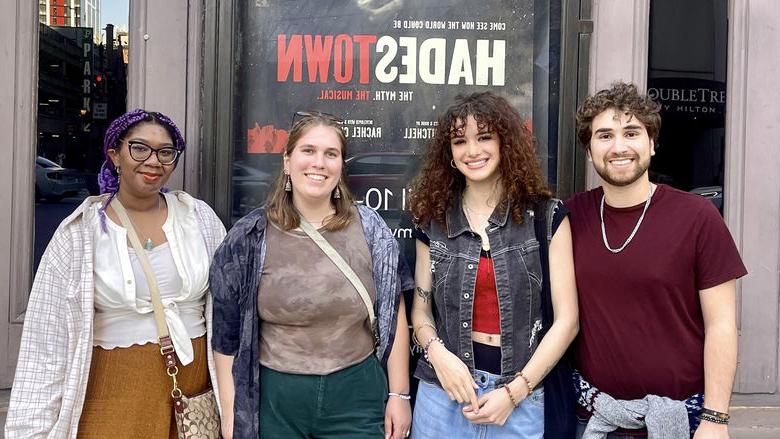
(89, 363)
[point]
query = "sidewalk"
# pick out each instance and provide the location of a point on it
(746, 422)
(755, 423)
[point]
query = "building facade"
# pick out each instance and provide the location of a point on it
(71, 13)
(232, 73)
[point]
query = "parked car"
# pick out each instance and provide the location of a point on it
(53, 182)
(712, 193)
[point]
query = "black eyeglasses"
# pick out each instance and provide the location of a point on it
(300, 116)
(141, 152)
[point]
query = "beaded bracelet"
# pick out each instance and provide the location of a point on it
(527, 381)
(404, 396)
(511, 398)
(713, 419)
(428, 344)
(715, 413)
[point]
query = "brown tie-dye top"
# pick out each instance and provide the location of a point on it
(313, 320)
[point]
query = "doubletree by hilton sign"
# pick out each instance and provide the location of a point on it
(689, 98)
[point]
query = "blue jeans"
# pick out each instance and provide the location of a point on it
(437, 416)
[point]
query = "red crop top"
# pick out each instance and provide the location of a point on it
(485, 316)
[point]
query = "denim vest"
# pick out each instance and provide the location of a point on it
(455, 252)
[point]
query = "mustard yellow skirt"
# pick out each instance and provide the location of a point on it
(129, 393)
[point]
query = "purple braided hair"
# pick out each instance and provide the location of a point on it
(108, 179)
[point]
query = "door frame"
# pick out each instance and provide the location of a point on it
(18, 115)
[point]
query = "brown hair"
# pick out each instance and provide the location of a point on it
(625, 98)
(280, 207)
(437, 184)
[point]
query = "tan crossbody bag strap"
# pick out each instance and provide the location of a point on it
(166, 344)
(342, 265)
(196, 416)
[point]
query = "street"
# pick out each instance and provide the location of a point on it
(47, 217)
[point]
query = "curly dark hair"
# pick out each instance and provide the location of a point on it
(624, 97)
(437, 183)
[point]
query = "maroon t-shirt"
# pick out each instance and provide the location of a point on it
(641, 325)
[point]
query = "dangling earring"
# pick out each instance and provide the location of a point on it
(288, 183)
(118, 174)
(452, 163)
(337, 193)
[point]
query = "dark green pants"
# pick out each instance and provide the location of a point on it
(346, 404)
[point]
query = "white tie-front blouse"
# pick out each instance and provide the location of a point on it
(123, 307)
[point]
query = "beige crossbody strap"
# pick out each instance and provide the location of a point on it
(342, 265)
(166, 344)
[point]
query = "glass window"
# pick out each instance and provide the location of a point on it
(378, 163)
(387, 69)
(82, 86)
(687, 76)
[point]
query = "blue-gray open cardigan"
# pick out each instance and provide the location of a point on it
(234, 280)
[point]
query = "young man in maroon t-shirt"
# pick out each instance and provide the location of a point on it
(656, 273)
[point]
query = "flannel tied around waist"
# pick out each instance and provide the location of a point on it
(587, 395)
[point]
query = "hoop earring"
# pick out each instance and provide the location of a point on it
(288, 184)
(336, 193)
(452, 163)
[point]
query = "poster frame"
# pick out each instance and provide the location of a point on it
(218, 100)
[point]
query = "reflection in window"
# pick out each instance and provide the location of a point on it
(687, 76)
(82, 86)
(380, 164)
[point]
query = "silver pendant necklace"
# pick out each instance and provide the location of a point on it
(633, 232)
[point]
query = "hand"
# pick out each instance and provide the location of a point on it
(710, 430)
(398, 418)
(453, 375)
(496, 408)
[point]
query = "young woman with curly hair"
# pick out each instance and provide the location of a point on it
(477, 312)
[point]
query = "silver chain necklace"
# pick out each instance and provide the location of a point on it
(474, 212)
(633, 232)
